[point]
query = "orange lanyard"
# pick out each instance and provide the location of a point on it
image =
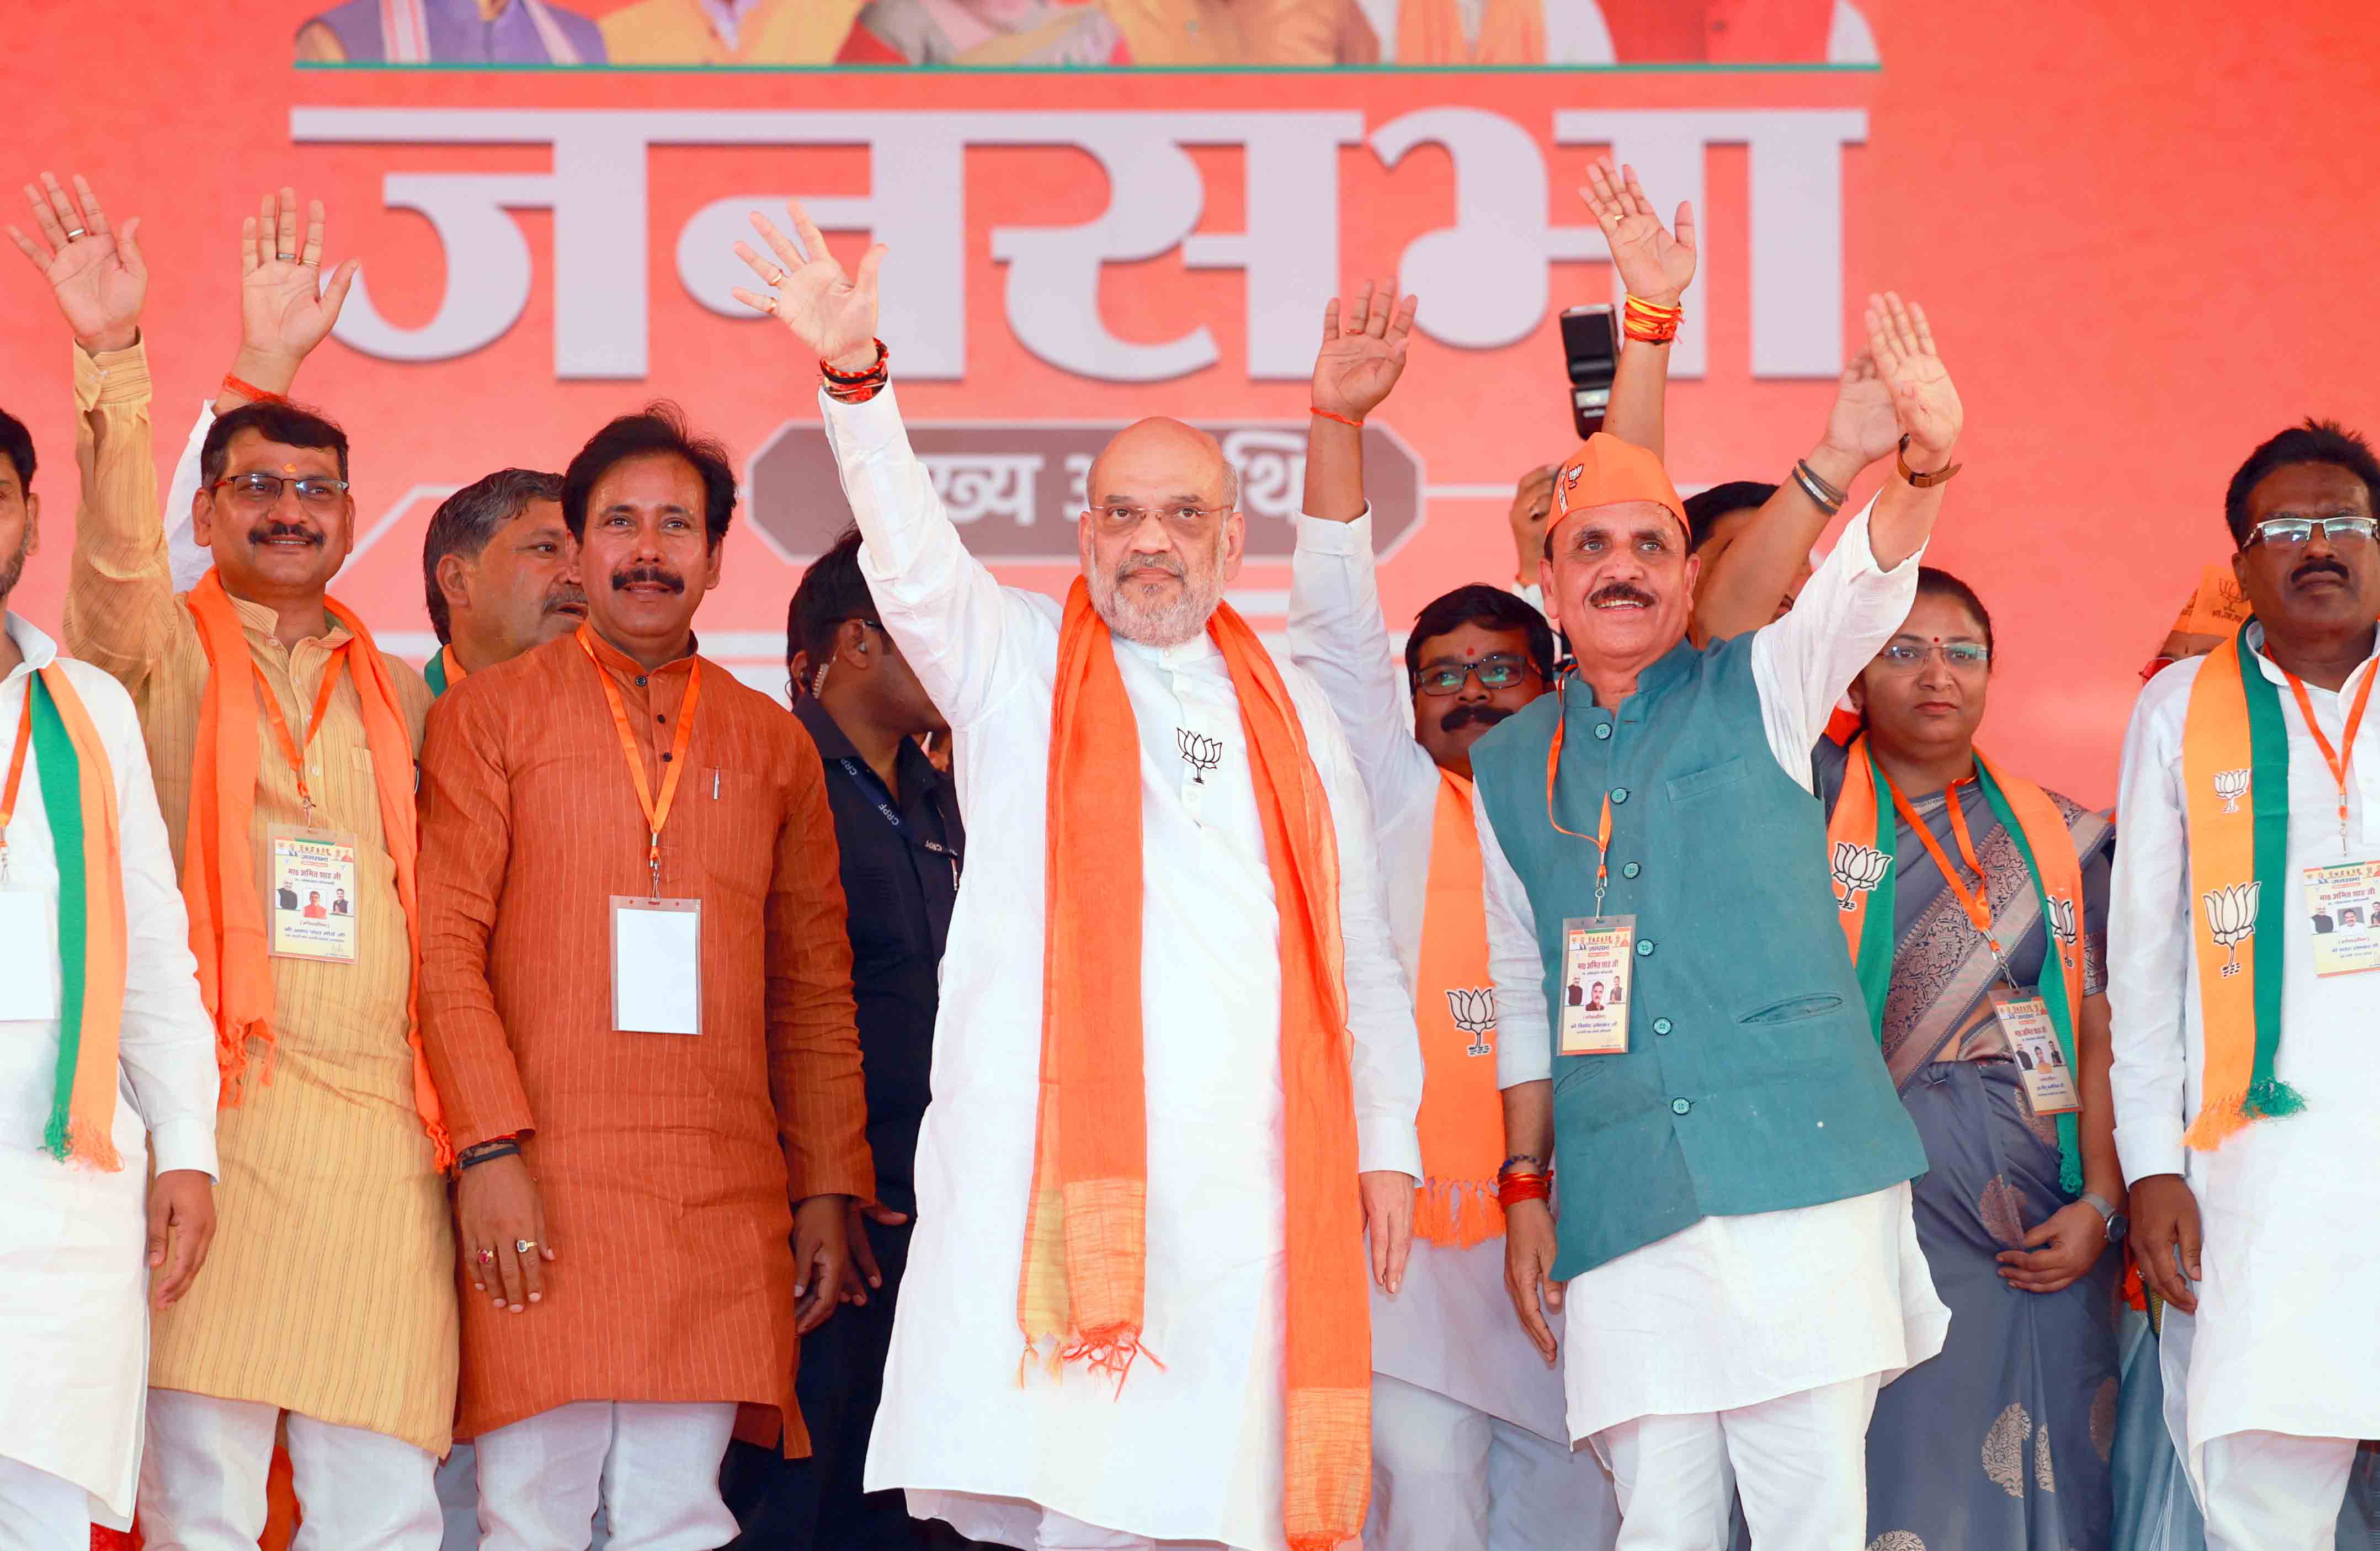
(290, 747)
(16, 772)
(2338, 760)
(1977, 902)
(656, 813)
(1602, 839)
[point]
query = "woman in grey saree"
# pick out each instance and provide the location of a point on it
(2003, 1441)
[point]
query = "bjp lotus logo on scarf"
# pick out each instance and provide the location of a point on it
(2231, 786)
(1200, 752)
(2231, 918)
(2062, 923)
(1858, 869)
(1474, 1011)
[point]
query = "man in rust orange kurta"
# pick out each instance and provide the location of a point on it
(637, 999)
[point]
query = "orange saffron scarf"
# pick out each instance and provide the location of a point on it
(228, 928)
(1510, 33)
(1080, 1296)
(1461, 1110)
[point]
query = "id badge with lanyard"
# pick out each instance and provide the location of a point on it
(867, 781)
(311, 893)
(1599, 951)
(656, 942)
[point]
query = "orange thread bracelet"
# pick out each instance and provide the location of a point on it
(251, 391)
(1650, 323)
(1342, 420)
(1517, 1188)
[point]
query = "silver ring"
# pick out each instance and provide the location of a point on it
(523, 1246)
(75, 234)
(287, 258)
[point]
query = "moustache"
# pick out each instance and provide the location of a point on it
(1166, 563)
(2319, 567)
(266, 532)
(568, 597)
(1471, 712)
(1623, 591)
(630, 576)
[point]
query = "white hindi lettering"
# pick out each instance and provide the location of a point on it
(976, 485)
(1484, 274)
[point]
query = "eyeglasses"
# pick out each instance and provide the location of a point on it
(315, 492)
(1500, 670)
(1902, 657)
(1118, 518)
(2291, 532)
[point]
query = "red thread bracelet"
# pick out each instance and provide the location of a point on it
(251, 391)
(1342, 420)
(883, 359)
(1514, 1188)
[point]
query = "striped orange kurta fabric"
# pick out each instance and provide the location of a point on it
(667, 1163)
(326, 1290)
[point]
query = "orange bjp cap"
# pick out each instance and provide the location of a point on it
(1605, 471)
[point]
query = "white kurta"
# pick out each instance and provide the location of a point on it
(1736, 1310)
(1451, 1327)
(1191, 1450)
(2287, 1336)
(74, 1344)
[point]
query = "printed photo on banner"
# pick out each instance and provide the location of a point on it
(1597, 959)
(1100, 34)
(2343, 902)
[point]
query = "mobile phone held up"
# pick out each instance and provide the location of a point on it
(1591, 352)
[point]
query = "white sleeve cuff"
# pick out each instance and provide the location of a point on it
(1319, 535)
(188, 1142)
(2149, 1147)
(1386, 1140)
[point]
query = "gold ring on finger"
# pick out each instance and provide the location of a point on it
(523, 1246)
(74, 234)
(779, 278)
(771, 307)
(486, 1257)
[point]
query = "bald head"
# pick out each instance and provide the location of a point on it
(1161, 452)
(1163, 533)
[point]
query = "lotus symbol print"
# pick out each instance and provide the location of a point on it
(2061, 921)
(2231, 786)
(1858, 869)
(2231, 918)
(1200, 752)
(1474, 1011)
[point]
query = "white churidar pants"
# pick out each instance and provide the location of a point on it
(1799, 1460)
(653, 1468)
(1447, 1478)
(203, 1480)
(2275, 1491)
(39, 1511)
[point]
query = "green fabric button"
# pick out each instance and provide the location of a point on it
(1630, 871)
(1660, 1025)
(1679, 1106)
(1645, 949)
(1603, 730)
(1620, 794)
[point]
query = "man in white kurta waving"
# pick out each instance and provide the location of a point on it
(1175, 1072)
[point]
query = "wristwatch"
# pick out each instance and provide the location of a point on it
(2118, 1225)
(1924, 481)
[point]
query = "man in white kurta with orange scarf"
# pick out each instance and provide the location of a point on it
(1175, 1072)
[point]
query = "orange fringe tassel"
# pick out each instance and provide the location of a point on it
(1458, 1213)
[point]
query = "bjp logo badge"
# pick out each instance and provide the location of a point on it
(2231, 918)
(1200, 752)
(2231, 786)
(1857, 870)
(1474, 1011)
(2061, 921)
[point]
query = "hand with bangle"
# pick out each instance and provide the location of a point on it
(1656, 262)
(832, 313)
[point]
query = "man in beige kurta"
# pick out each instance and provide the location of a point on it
(329, 1296)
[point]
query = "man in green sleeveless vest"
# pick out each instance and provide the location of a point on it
(1732, 1160)
(499, 573)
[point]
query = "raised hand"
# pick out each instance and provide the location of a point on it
(833, 314)
(1861, 424)
(96, 272)
(1924, 403)
(1655, 263)
(284, 307)
(1363, 352)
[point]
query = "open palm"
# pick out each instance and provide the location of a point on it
(1924, 399)
(1364, 349)
(284, 307)
(1655, 263)
(1860, 422)
(833, 314)
(96, 273)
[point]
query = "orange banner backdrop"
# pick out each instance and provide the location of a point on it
(2143, 236)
